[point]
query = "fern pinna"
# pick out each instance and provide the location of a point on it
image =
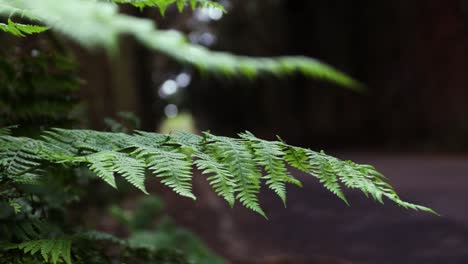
(235, 167)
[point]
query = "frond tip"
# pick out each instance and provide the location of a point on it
(235, 167)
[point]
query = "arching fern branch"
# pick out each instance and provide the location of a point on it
(98, 24)
(233, 166)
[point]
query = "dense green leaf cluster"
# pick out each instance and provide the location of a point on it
(234, 167)
(25, 238)
(100, 24)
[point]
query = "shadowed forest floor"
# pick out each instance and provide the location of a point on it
(318, 228)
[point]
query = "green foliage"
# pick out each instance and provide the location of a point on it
(21, 30)
(163, 4)
(234, 166)
(52, 250)
(101, 24)
(241, 164)
(220, 178)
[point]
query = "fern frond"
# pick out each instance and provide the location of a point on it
(21, 30)
(52, 250)
(175, 45)
(234, 166)
(100, 24)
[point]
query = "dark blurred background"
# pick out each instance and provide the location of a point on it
(411, 123)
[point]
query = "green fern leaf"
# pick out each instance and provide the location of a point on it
(106, 163)
(52, 250)
(269, 155)
(164, 4)
(323, 170)
(174, 168)
(102, 164)
(161, 4)
(297, 158)
(180, 5)
(133, 170)
(233, 166)
(221, 179)
(241, 165)
(193, 4)
(21, 30)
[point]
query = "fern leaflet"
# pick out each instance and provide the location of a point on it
(270, 156)
(221, 179)
(173, 167)
(240, 162)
